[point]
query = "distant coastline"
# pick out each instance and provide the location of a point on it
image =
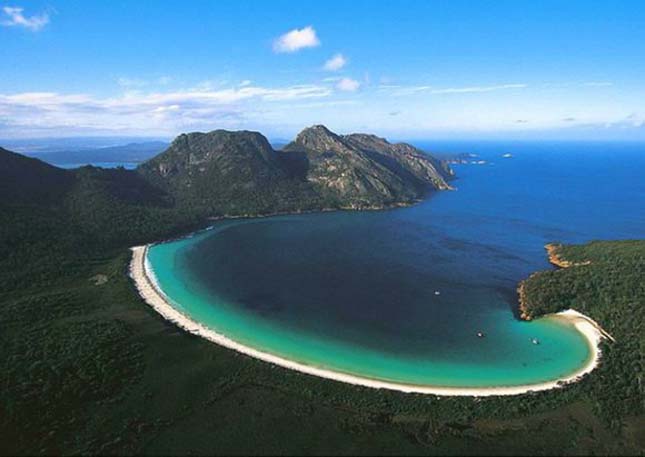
(145, 281)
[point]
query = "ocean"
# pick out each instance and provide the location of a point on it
(401, 295)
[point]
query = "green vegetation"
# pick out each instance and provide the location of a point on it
(89, 368)
(607, 283)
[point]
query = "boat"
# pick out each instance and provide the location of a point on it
(535, 341)
(480, 335)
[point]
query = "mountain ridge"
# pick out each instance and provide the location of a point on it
(380, 174)
(24, 179)
(319, 168)
(227, 174)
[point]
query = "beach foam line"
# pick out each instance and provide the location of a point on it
(143, 276)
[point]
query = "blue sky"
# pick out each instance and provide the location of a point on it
(426, 69)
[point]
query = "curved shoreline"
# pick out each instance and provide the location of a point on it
(555, 259)
(145, 282)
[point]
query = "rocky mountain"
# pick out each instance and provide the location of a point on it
(423, 166)
(364, 170)
(225, 172)
(245, 155)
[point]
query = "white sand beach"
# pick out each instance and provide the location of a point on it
(145, 282)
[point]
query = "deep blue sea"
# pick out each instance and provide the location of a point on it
(401, 294)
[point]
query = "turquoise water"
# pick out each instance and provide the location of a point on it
(400, 295)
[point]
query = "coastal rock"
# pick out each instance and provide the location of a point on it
(555, 259)
(524, 307)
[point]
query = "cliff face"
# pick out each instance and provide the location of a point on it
(424, 167)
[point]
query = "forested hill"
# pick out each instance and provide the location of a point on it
(24, 180)
(604, 280)
(48, 210)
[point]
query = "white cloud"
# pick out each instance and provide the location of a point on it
(411, 90)
(296, 39)
(322, 104)
(335, 63)
(573, 85)
(147, 112)
(14, 17)
(475, 89)
(348, 85)
(402, 90)
(163, 109)
(631, 122)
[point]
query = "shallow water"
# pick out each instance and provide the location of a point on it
(400, 295)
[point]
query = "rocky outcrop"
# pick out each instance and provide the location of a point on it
(524, 308)
(423, 166)
(555, 259)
